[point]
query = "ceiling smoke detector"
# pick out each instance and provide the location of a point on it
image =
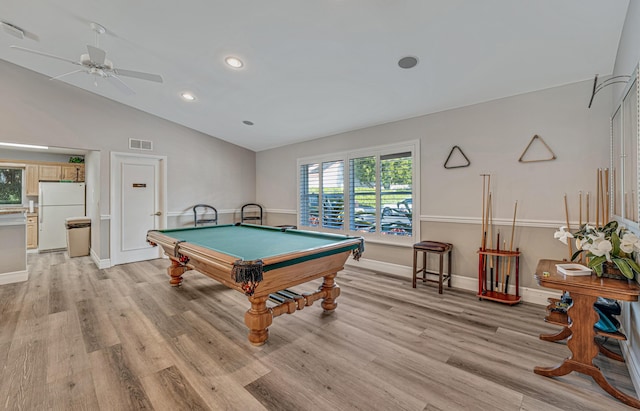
(408, 62)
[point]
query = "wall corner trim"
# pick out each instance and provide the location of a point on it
(101, 264)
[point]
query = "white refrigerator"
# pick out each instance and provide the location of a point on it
(56, 203)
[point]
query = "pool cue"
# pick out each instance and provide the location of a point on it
(497, 262)
(484, 181)
(486, 219)
(626, 204)
(606, 182)
(580, 208)
(490, 222)
(566, 214)
(483, 239)
(580, 216)
(587, 210)
(504, 266)
(513, 227)
(598, 199)
(602, 195)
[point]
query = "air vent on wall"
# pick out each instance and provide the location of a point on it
(135, 144)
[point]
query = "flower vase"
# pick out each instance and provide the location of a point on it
(610, 270)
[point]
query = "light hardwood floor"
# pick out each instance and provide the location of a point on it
(77, 338)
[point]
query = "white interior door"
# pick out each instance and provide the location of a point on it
(138, 187)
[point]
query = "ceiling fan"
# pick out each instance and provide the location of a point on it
(96, 64)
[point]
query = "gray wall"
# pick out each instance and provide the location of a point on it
(493, 135)
(201, 169)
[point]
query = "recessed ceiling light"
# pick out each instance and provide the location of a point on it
(247, 122)
(408, 62)
(188, 96)
(234, 62)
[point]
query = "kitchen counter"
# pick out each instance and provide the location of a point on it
(13, 245)
(13, 210)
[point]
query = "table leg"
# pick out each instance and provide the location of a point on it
(175, 271)
(258, 318)
(598, 377)
(608, 353)
(331, 291)
(559, 336)
(581, 342)
(583, 348)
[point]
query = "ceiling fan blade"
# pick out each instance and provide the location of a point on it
(96, 55)
(137, 74)
(66, 74)
(45, 54)
(120, 85)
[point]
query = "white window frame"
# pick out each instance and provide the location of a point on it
(346, 156)
(23, 195)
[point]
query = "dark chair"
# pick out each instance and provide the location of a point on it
(200, 214)
(255, 213)
(435, 247)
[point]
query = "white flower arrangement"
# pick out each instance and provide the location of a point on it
(611, 243)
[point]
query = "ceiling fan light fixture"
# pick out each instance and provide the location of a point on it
(234, 62)
(12, 29)
(98, 28)
(187, 96)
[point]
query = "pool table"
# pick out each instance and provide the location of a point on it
(261, 262)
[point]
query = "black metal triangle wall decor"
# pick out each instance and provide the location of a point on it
(534, 138)
(459, 150)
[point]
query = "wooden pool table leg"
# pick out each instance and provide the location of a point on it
(331, 291)
(258, 318)
(175, 271)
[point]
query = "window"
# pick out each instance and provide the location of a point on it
(624, 156)
(369, 192)
(11, 187)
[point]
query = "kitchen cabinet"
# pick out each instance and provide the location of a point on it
(32, 231)
(73, 172)
(32, 179)
(49, 172)
(61, 171)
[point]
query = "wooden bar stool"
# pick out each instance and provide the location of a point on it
(436, 247)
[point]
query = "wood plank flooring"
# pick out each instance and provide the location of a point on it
(77, 338)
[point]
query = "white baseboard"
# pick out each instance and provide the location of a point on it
(105, 263)
(531, 295)
(633, 363)
(14, 277)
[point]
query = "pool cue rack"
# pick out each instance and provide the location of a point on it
(495, 287)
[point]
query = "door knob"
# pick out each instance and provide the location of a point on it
(157, 213)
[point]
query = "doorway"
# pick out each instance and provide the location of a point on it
(138, 204)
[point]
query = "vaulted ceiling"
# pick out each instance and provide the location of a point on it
(316, 68)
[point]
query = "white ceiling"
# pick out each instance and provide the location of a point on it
(316, 68)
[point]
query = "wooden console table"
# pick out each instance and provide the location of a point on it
(584, 291)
